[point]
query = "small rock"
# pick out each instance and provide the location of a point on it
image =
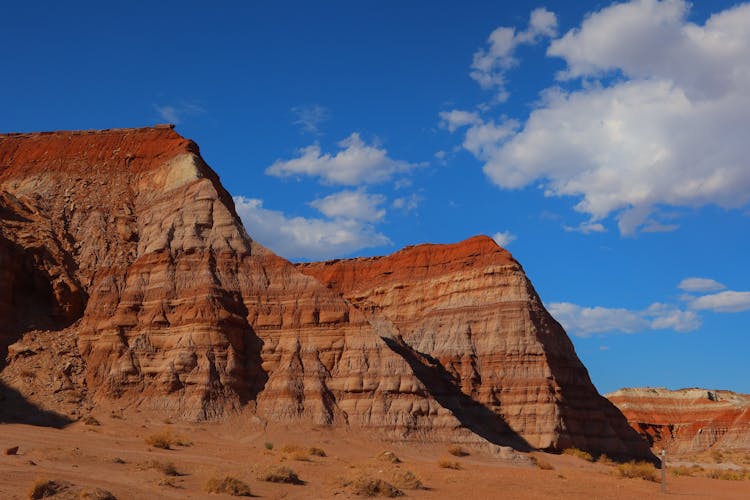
(13, 450)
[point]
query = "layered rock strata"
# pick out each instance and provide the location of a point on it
(687, 420)
(469, 310)
(122, 247)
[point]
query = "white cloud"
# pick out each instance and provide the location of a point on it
(586, 227)
(728, 301)
(356, 163)
(489, 65)
(310, 116)
(586, 321)
(504, 238)
(668, 129)
(303, 238)
(700, 285)
(407, 203)
(176, 113)
(352, 205)
(457, 118)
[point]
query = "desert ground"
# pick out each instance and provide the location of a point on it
(120, 453)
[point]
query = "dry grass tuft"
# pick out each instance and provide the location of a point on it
(575, 452)
(166, 468)
(447, 463)
(541, 463)
(279, 474)
(371, 487)
(726, 474)
(229, 485)
(457, 451)
(318, 452)
(388, 456)
(407, 480)
(43, 488)
(96, 494)
(635, 470)
(165, 440)
(90, 420)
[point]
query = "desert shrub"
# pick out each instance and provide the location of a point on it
(388, 456)
(279, 474)
(166, 468)
(575, 452)
(406, 480)
(717, 456)
(372, 487)
(95, 494)
(43, 488)
(268, 445)
(632, 469)
(118, 460)
(318, 452)
(681, 470)
(229, 485)
(90, 420)
(447, 463)
(161, 440)
(541, 463)
(457, 451)
(604, 460)
(725, 474)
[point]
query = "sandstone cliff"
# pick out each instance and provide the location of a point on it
(127, 276)
(687, 420)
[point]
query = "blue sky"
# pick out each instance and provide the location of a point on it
(604, 144)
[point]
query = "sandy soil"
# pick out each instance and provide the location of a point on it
(115, 457)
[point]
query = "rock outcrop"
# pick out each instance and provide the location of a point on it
(687, 420)
(126, 276)
(469, 316)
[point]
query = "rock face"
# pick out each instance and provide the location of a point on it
(472, 322)
(126, 276)
(687, 420)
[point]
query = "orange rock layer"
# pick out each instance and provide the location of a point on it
(121, 248)
(687, 420)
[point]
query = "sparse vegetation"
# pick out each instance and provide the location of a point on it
(268, 445)
(96, 494)
(165, 440)
(118, 460)
(541, 463)
(166, 468)
(371, 487)
(457, 451)
(575, 452)
(318, 452)
(388, 456)
(43, 488)
(91, 420)
(447, 463)
(406, 480)
(279, 474)
(717, 456)
(637, 470)
(229, 485)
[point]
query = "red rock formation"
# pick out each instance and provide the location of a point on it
(122, 249)
(469, 310)
(687, 420)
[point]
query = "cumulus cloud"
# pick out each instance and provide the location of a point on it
(728, 301)
(659, 116)
(310, 116)
(357, 205)
(586, 321)
(355, 163)
(504, 238)
(305, 238)
(700, 285)
(490, 64)
(457, 118)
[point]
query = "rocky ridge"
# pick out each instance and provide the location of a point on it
(122, 247)
(687, 420)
